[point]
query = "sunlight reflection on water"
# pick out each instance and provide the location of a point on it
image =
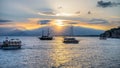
(89, 53)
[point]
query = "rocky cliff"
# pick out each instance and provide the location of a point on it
(113, 33)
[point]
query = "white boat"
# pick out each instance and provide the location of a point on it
(70, 40)
(11, 44)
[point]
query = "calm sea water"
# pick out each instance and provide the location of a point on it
(89, 53)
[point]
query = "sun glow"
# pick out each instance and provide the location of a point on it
(59, 22)
(64, 14)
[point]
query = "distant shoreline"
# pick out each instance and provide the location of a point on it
(72, 36)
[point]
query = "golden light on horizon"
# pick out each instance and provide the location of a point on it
(95, 26)
(64, 14)
(27, 26)
(59, 23)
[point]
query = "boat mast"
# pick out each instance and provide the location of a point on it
(42, 32)
(71, 30)
(48, 32)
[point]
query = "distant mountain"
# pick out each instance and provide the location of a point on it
(67, 31)
(80, 31)
(113, 33)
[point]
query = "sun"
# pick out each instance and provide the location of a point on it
(59, 23)
(64, 14)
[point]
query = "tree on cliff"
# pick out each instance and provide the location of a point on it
(113, 33)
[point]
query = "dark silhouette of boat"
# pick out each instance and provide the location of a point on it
(11, 44)
(46, 37)
(70, 39)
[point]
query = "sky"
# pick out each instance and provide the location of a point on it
(34, 15)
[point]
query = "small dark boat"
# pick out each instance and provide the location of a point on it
(11, 44)
(70, 40)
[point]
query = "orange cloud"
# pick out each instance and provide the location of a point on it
(33, 23)
(95, 26)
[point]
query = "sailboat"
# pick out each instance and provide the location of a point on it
(46, 37)
(71, 39)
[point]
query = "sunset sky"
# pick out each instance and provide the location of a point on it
(24, 15)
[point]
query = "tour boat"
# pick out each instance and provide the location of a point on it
(70, 40)
(11, 44)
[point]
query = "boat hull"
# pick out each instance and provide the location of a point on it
(11, 47)
(74, 42)
(46, 38)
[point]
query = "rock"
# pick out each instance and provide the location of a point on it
(113, 33)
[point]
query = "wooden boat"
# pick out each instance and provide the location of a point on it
(47, 37)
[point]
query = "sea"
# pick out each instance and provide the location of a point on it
(91, 52)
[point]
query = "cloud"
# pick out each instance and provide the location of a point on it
(78, 12)
(60, 7)
(51, 12)
(43, 22)
(116, 23)
(107, 4)
(46, 11)
(89, 12)
(1, 20)
(35, 23)
(31, 24)
(98, 21)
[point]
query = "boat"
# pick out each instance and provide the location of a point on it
(11, 44)
(70, 39)
(46, 37)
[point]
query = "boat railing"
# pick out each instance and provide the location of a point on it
(12, 42)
